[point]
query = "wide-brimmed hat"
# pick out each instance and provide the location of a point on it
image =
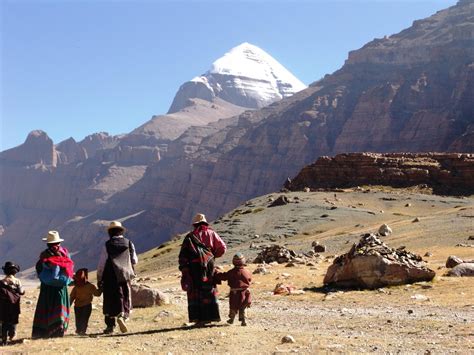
(238, 259)
(199, 218)
(115, 225)
(9, 266)
(53, 237)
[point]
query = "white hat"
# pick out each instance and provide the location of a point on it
(199, 218)
(53, 237)
(116, 224)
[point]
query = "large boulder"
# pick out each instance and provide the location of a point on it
(464, 269)
(145, 296)
(372, 264)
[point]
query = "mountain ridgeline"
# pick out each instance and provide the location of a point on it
(409, 92)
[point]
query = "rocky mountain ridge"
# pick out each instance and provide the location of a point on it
(445, 173)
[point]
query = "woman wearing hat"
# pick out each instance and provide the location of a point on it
(114, 274)
(196, 262)
(55, 271)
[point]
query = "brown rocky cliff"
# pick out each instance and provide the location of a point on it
(445, 173)
(37, 149)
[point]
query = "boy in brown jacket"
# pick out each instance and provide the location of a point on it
(82, 294)
(239, 280)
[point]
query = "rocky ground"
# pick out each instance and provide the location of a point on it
(426, 317)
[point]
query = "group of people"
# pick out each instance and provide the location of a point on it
(199, 276)
(115, 270)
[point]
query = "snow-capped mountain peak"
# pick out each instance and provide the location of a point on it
(245, 76)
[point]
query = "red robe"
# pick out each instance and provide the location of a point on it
(239, 280)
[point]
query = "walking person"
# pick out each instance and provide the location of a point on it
(81, 296)
(55, 271)
(238, 279)
(11, 291)
(196, 262)
(115, 271)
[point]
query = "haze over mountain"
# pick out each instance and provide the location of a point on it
(409, 92)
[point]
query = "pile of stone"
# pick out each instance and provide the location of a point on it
(279, 254)
(373, 264)
(275, 253)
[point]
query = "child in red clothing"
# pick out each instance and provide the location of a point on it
(239, 280)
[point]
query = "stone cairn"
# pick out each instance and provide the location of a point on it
(275, 253)
(280, 254)
(371, 264)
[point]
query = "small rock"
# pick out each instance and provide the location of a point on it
(318, 248)
(28, 302)
(288, 339)
(260, 270)
(419, 297)
(416, 220)
(410, 311)
(453, 261)
(280, 201)
(385, 230)
(408, 205)
(464, 269)
(428, 254)
(471, 237)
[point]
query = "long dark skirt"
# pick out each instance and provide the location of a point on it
(202, 304)
(52, 312)
(117, 296)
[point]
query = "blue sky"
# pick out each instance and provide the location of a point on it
(72, 68)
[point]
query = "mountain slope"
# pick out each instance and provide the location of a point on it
(76, 187)
(420, 101)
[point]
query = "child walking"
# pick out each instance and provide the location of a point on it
(239, 280)
(10, 294)
(81, 295)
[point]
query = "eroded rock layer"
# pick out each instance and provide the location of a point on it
(444, 172)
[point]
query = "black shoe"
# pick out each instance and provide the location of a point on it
(230, 321)
(109, 330)
(243, 324)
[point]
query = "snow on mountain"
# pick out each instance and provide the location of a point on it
(246, 76)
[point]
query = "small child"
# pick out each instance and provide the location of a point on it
(239, 280)
(82, 294)
(10, 294)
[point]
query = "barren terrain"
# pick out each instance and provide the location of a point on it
(434, 317)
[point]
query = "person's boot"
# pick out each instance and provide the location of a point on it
(12, 335)
(121, 324)
(230, 320)
(109, 330)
